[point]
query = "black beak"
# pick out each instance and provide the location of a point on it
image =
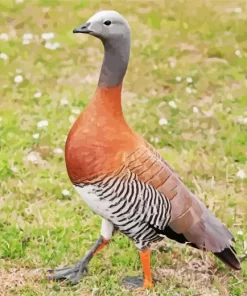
(82, 29)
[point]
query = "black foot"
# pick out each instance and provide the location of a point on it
(73, 273)
(133, 282)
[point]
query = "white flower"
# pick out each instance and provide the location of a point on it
(19, 1)
(25, 41)
(32, 158)
(66, 192)
(241, 174)
(188, 90)
(238, 53)
(240, 232)
(72, 119)
(163, 121)
(28, 36)
(195, 109)
(37, 95)
(64, 102)
(47, 36)
(76, 111)
(14, 169)
(4, 36)
(241, 119)
(178, 78)
(36, 136)
(189, 79)
(237, 9)
(52, 46)
(172, 104)
(3, 56)
(18, 79)
(58, 150)
(42, 123)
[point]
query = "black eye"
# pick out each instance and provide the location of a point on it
(107, 23)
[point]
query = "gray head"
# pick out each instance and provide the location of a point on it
(106, 25)
(114, 31)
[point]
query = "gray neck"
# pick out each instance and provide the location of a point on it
(115, 63)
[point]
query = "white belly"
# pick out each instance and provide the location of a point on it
(100, 207)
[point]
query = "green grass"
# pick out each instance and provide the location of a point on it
(205, 138)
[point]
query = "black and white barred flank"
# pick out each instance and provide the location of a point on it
(133, 207)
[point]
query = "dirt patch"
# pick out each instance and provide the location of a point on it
(16, 278)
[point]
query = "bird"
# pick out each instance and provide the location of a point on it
(124, 179)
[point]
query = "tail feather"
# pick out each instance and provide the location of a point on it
(228, 255)
(229, 258)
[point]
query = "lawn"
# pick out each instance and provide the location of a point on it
(185, 92)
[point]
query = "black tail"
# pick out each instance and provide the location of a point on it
(229, 258)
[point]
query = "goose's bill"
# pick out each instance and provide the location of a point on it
(84, 29)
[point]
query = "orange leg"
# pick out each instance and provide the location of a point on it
(145, 260)
(101, 246)
(140, 283)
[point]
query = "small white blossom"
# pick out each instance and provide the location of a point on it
(237, 9)
(188, 90)
(25, 41)
(163, 121)
(48, 36)
(178, 78)
(52, 46)
(66, 192)
(32, 158)
(19, 1)
(238, 53)
(72, 119)
(64, 102)
(172, 104)
(14, 169)
(241, 174)
(4, 36)
(189, 79)
(37, 95)
(18, 79)
(240, 232)
(241, 119)
(195, 109)
(156, 140)
(76, 111)
(58, 150)
(36, 136)
(42, 123)
(3, 56)
(28, 36)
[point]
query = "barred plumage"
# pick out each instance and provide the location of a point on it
(133, 207)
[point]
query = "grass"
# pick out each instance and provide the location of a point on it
(41, 224)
